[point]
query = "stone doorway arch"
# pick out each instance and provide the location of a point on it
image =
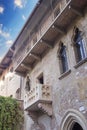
(76, 126)
(73, 120)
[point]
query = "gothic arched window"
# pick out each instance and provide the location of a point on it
(79, 45)
(27, 87)
(62, 58)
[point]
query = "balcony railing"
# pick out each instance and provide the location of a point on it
(56, 29)
(40, 94)
(45, 26)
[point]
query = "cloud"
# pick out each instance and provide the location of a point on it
(4, 34)
(20, 3)
(1, 10)
(9, 43)
(23, 17)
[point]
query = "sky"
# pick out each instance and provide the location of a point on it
(13, 15)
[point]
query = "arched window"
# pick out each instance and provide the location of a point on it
(18, 93)
(62, 58)
(27, 87)
(79, 44)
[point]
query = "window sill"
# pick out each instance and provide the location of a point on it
(65, 74)
(80, 62)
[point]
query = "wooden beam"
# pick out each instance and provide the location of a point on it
(26, 66)
(76, 10)
(11, 50)
(60, 30)
(20, 74)
(47, 43)
(35, 56)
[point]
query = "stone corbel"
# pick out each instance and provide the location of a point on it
(42, 108)
(46, 108)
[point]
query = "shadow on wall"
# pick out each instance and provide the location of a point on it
(36, 126)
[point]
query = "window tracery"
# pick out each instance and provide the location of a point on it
(62, 58)
(79, 44)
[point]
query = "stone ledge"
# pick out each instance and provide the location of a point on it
(80, 62)
(65, 74)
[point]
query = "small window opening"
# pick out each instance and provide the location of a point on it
(41, 79)
(11, 96)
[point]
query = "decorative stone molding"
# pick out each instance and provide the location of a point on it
(73, 116)
(42, 108)
(41, 93)
(46, 108)
(39, 101)
(80, 63)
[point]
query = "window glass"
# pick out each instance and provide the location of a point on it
(63, 58)
(79, 42)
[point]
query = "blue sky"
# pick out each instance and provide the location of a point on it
(13, 15)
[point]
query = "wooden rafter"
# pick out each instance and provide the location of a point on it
(47, 43)
(11, 50)
(76, 10)
(26, 66)
(35, 56)
(60, 30)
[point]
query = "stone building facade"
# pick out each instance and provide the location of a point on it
(10, 83)
(50, 54)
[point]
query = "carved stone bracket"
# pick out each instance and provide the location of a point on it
(41, 108)
(46, 108)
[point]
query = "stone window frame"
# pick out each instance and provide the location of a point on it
(68, 71)
(71, 117)
(83, 60)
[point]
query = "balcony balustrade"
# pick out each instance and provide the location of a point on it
(20, 50)
(40, 94)
(38, 101)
